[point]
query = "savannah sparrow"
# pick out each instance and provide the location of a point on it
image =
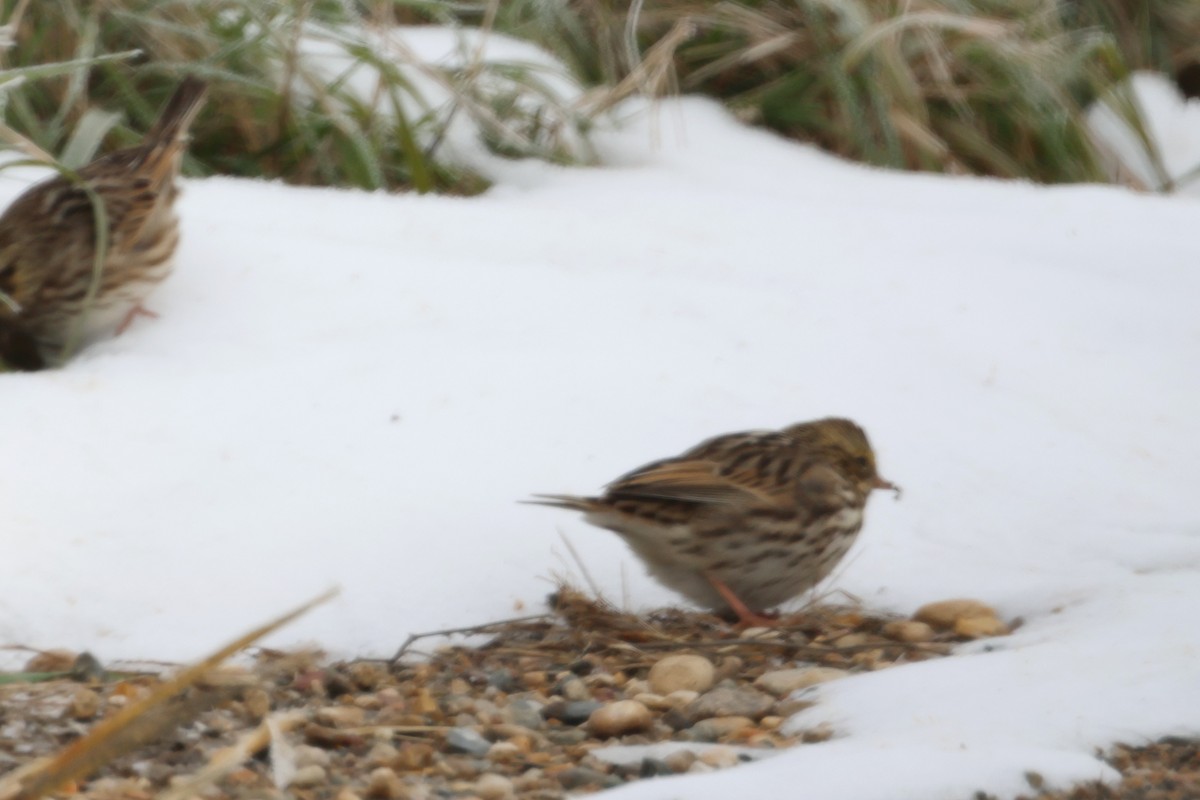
(52, 296)
(745, 521)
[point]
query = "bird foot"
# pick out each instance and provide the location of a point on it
(745, 617)
(137, 311)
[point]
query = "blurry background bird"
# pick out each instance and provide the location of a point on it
(746, 521)
(55, 299)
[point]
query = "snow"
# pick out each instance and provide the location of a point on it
(358, 388)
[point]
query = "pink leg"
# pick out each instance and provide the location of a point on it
(746, 617)
(137, 311)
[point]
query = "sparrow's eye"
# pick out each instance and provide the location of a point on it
(862, 462)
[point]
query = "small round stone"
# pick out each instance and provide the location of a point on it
(341, 716)
(85, 704)
(385, 784)
(680, 760)
(654, 768)
(257, 703)
(652, 701)
(712, 730)
(720, 757)
(468, 741)
(680, 698)
(575, 689)
(681, 671)
(367, 674)
(908, 630)
(621, 717)
(782, 682)
(307, 755)
(944, 613)
(491, 786)
(583, 777)
(504, 751)
(310, 775)
(980, 627)
(730, 702)
(574, 712)
(381, 755)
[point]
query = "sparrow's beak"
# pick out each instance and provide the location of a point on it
(880, 483)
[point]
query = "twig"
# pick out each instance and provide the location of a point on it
(484, 628)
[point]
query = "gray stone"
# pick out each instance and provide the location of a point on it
(468, 741)
(711, 730)
(567, 736)
(526, 713)
(575, 712)
(579, 777)
(729, 702)
(782, 682)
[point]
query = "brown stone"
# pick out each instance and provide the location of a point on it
(621, 717)
(908, 630)
(980, 627)
(681, 671)
(944, 613)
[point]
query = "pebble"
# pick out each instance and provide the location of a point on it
(413, 756)
(526, 713)
(857, 639)
(346, 793)
(980, 627)
(575, 712)
(575, 689)
(381, 755)
(493, 787)
(654, 768)
(503, 679)
(307, 755)
(257, 703)
(367, 675)
(385, 784)
(729, 667)
(711, 730)
(652, 701)
(783, 682)
(467, 741)
(681, 697)
(676, 719)
(821, 733)
(621, 717)
(729, 702)
(790, 706)
(85, 704)
(580, 777)
(504, 751)
(341, 716)
(423, 702)
(310, 775)
(908, 630)
(681, 671)
(567, 736)
(680, 760)
(720, 757)
(944, 613)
